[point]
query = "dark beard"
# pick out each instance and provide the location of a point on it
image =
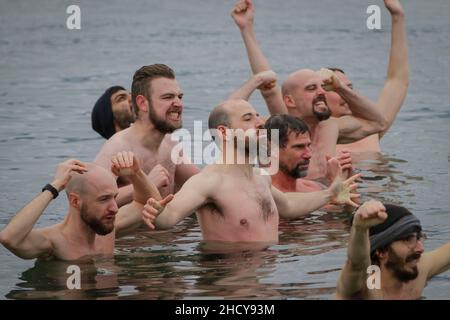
(94, 224)
(397, 266)
(295, 173)
(123, 119)
(159, 124)
(321, 115)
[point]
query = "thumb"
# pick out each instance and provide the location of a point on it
(327, 157)
(166, 200)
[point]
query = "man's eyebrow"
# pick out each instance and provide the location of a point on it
(119, 96)
(247, 114)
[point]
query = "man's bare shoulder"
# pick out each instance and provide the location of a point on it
(118, 142)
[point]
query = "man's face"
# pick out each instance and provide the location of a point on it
(337, 105)
(403, 257)
(295, 157)
(309, 97)
(165, 105)
(121, 108)
(99, 206)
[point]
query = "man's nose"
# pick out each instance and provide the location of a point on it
(419, 247)
(260, 123)
(113, 207)
(321, 90)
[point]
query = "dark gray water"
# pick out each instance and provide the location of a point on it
(50, 78)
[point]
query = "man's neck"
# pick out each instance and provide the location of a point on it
(77, 230)
(284, 182)
(391, 287)
(147, 134)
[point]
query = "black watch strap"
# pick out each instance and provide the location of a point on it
(52, 189)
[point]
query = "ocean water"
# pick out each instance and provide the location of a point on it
(50, 77)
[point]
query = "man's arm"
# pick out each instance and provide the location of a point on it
(168, 212)
(243, 14)
(353, 278)
(292, 205)
(129, 216)
(264, 81)
(19, 236)
(366, 118)
(436, 261)
(396, 86)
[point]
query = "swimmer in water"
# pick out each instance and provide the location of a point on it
(93, 221)
(391, 238)
(233, 201)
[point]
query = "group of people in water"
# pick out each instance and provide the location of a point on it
(320, 121)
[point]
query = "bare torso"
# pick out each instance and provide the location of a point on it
(65, 248)
(240, 209)
(368, 144)
(148, 159)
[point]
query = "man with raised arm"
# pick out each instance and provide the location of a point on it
(302, 95)
(158, 106)
(234, 202)
(389, 237)
(93, 221)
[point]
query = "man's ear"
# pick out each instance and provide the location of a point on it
(222, 132)
(75, 200)
(381, 254)
(142, 103)
(289, 101)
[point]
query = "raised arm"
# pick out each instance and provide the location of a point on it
(264, 80)
(19, 236)
(352, 281)
(437, 261)
(171, 210)
(366, 118)
(243, 15)
(129, 217)
(396, 86)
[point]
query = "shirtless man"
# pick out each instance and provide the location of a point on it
(233, 201)
(395, 87)
(93, 221)
(158, 106)
(112, 112)
(390, 237)
(302, 96)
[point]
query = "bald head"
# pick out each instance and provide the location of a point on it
(296, 79)
(83, 183)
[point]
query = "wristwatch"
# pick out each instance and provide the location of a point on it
(52, 189)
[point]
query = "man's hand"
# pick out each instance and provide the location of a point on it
(62, 175)
(243, 13)
(394, 7)
(267, 80)
(153, 208)
(344, 159)
(125, 164)
(159, 176)
(330, 80)
(343, 192)
(369, 214)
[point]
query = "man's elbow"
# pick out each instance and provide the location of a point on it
(7, 241)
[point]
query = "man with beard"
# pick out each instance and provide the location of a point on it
(295, 153)
(158, 106)
(234, 202)
(112, 112)
(390, 237)
(93, 221)
(303, 96)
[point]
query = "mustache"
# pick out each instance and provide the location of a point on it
(414, 256)
(320, 97)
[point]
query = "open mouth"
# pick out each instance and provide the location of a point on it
(174, 115)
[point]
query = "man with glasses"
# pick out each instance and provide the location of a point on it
(390, 237)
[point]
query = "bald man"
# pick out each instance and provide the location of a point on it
(93, 221)
(233, 201)
(303, 96)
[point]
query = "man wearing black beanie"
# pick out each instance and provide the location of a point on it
(388, 241)
(112, 112)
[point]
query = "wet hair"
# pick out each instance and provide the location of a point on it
(285, 124)
(336, 69)
(102, 118)
(142, 81)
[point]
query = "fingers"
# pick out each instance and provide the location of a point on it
(166, 200)
(353, 178)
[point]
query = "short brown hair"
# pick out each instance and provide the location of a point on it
(142, 80)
